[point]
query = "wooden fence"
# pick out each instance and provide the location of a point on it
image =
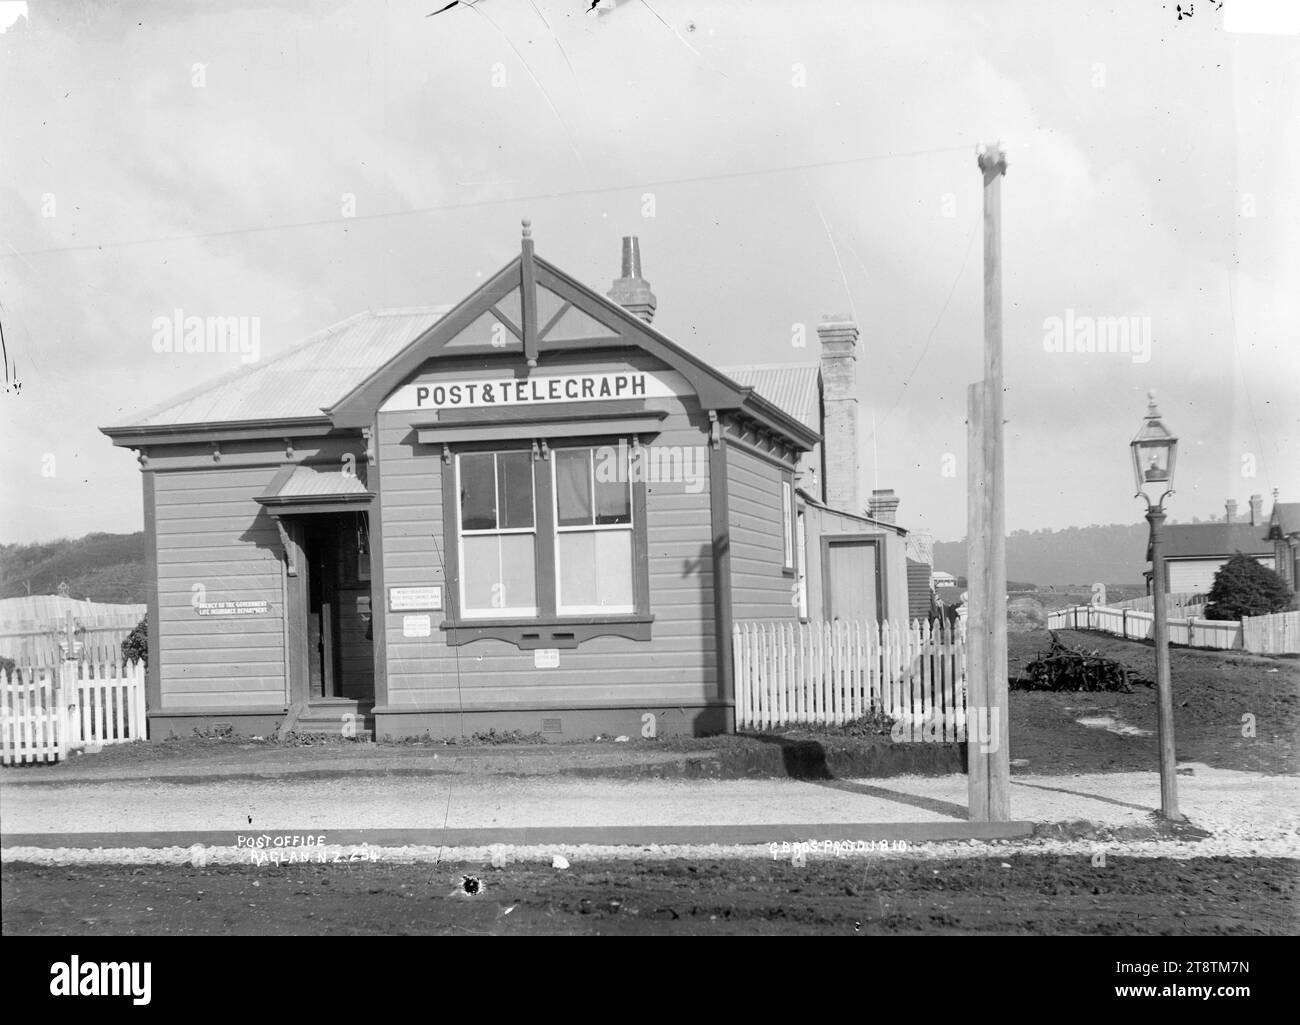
(37, 643)
(1224, 635)
(1175, 601)
(47, 711)
(1278, 634)
(790, 672)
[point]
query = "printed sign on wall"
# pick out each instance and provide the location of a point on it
(417, 626)
(533, 390)
(415, 599)
(233, 608)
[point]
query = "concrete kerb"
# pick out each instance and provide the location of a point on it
(547, 836)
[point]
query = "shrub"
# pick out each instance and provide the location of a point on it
(7, 666)
(1243, 587)
(135, 648)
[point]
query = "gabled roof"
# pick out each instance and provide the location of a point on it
(338, 378)
(1285, 518)
(1211, 541)
(714, 389)
(298, 383)
(792, 387)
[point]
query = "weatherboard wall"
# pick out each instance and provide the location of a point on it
(677, 668)
(215, 544)
(761, 587)
(1196, 576)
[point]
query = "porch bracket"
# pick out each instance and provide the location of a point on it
(289, 565)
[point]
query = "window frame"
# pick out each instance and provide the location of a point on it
(548, 627)
(509, 611)
(629, 528)
(788, 516)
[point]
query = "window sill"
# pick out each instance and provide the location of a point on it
(554, 632)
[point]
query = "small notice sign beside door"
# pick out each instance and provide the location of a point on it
(415, 599)
(417, 626)
(233, 608)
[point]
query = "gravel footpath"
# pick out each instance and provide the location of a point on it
(1224, 802)
(1243, 813)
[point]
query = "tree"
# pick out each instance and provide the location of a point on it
(135, 648)
(1243, 587)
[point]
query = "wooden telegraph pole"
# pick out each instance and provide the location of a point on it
(988, 758)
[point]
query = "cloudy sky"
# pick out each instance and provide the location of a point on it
(778, 161)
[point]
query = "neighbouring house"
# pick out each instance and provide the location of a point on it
(531, 510)
(1194, 552)
(1283, 532)
(942, 579)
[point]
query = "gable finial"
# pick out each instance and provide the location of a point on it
(528, 294)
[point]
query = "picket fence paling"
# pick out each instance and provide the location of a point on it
(788, 672)
(1223, 635)
(46, 711)
(1276, 634)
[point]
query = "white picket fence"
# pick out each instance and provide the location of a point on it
(1278, 634)
(791, 672)
(1175, 601)
(48, 711)
(1224, 635)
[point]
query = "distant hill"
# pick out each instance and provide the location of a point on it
(110, 567)
(1112, 554)
(98, 567)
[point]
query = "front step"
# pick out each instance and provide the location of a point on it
(336, 715)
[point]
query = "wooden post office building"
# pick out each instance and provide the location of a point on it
(529, 511)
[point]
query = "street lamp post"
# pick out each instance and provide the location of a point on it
(1154, 450)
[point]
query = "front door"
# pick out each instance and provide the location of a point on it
(321, 550)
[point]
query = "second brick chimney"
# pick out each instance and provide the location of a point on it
(631, 291)
(1256, 510)
(1230, 506)
(883, 505)
(839, 338)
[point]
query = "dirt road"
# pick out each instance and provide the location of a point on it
(1043, 895)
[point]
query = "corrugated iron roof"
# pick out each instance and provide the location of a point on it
(327, 366)
(308, 482)
(791, 387)
(300, 382)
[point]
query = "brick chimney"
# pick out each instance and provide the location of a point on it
(1231, 506)
(632, 291)
(1256, 510)
(883, 505)
(839, 339)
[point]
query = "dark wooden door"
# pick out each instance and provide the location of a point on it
(322, 609)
